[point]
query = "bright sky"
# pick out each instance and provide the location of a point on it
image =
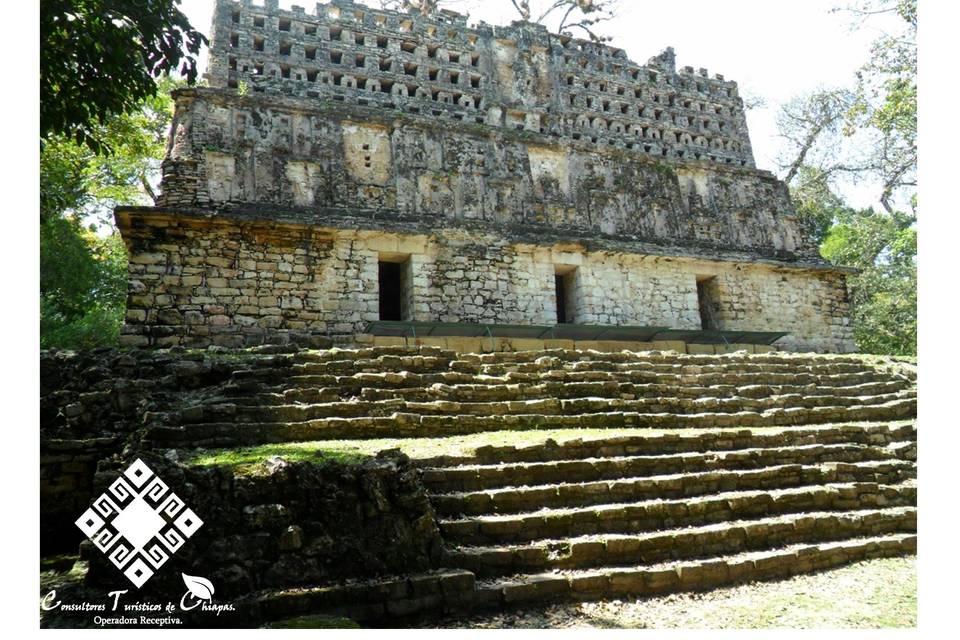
(774, 49)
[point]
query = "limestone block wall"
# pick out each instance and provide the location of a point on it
(211, 280)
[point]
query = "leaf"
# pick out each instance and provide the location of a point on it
(201, 588)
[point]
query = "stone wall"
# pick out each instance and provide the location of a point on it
(91, 405)
(283, 523)
(511, 77)
(196, 281)
(272, 153)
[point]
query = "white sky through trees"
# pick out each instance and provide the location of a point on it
(774, 49)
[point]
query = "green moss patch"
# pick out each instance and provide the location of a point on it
(315, 452)
(314, 622)
(356, 451)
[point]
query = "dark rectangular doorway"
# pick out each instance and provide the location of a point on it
(561, 299)
(707, 299)
(391, 290)
(565, 291)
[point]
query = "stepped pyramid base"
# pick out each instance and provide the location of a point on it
(389, 483)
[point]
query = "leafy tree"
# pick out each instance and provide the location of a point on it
(99, 58)
(867, 132)
(883, 295)
(811, 126)
(882, 246)
(82, 285)
(886, 99)
(818, 207)
(82, 258)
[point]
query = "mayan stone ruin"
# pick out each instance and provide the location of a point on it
(351, 165)
(433, 320)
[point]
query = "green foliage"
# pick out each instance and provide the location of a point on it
(314, 622)
(76, 180)
(816, 204)
(883, 296)
(83, 262)
(883, 247)
(99, 58)
(867, 133)
(313, 452)
(886, 100)
(82, 285)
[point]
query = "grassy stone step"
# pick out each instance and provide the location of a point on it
(478, 477)
(676, 544)
(663, 514)
(657, 443)
(572, 494)
(239, 433)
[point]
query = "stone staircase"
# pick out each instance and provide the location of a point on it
(596, 520)
(659, 471)
(389, 392)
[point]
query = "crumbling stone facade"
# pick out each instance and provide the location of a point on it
(485, 161)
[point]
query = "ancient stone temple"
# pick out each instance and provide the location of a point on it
(350, 165)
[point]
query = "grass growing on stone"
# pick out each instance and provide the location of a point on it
(316, 452)
(59, 563)
(875, 594)
(357, 450)
(351, 451)
(314, 622)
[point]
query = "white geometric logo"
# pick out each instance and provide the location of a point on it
(138, 523)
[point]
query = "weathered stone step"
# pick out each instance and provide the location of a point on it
(554, 390)
(375, 599)
(542, 365)
(691, 575)
(481, 477)
(666, 487)
(458, 591)
(608, 389)
(215, 412)
(681, 544)
(653, 515)
(413, 359)
(672, 443)
(238, 433)
(571, 355)
(244, 382)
